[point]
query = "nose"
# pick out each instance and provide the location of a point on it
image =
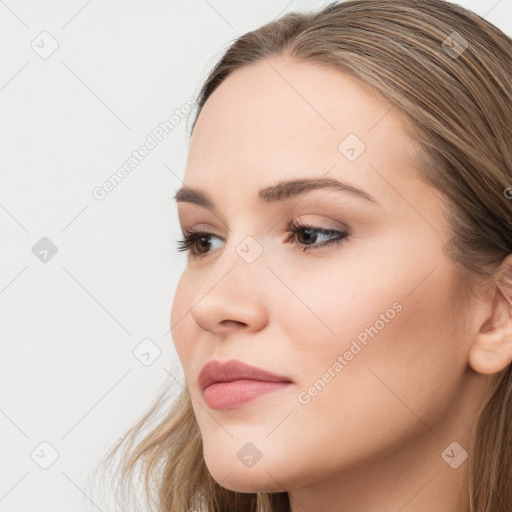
(233, 303)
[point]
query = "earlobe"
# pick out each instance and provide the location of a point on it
(492, 350)
(492, 354)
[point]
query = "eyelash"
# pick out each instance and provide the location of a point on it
(192, 237)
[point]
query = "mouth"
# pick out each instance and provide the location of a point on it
(228, 385)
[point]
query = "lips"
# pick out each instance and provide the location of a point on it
(216, 371)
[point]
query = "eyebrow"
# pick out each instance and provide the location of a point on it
(275, 193)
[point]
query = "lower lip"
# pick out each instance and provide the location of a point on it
(230, 395)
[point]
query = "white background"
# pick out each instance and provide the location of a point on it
(69, 325)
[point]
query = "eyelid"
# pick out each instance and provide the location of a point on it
(326, 223)
(320, 220)
(200, 228)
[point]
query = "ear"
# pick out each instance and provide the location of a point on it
(491, 351)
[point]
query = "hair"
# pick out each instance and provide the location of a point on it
(458, 108)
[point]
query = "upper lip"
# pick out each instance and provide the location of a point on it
(217, 371)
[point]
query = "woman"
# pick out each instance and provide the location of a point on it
(344, 321)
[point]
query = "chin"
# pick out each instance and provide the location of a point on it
(244, 480)
(245, 468)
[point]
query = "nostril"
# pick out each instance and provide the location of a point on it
(232, 323)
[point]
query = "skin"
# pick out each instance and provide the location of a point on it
(371, 440)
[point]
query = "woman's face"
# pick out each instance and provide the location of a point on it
(362, 329)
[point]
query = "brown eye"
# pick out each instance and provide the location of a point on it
(307, 235)
(197, 243)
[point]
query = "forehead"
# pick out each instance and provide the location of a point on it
(282, 119)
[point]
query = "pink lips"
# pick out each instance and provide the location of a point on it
(230, 384)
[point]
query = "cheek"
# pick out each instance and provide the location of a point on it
(391, 347)
(181, 318)
(393, 296)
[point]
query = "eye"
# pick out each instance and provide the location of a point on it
(197, 243)
(310, 235)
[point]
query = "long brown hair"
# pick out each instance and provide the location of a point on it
(448, 74)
